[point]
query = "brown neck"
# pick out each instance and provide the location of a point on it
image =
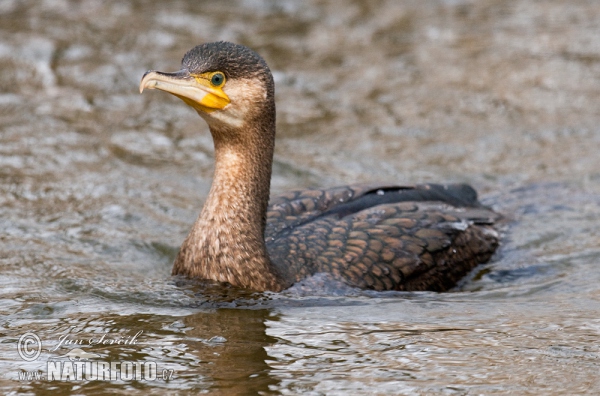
(239, 193)
(227, 241)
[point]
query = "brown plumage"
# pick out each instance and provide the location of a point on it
(388, 237)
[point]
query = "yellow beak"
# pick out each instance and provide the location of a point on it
(194, 90)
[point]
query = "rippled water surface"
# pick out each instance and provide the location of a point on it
(99, 185)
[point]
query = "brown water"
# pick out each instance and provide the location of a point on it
(99, 185)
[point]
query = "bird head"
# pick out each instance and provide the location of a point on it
(228, 84)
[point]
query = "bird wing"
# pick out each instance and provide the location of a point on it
(385, 238)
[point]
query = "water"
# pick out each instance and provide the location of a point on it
(99, 186)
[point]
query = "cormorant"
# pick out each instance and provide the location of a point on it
(381, 237)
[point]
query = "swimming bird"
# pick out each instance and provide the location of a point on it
(381, 237)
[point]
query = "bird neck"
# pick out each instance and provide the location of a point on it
(227, 241)
(239, 194)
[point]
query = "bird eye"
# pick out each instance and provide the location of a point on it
(217, 79)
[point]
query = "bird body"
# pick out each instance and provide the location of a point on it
(381, 238)
(389, 237)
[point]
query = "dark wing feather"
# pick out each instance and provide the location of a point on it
(385, 238)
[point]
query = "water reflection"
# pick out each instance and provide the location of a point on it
(239, 366)
(221, 351)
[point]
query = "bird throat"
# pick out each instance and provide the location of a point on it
(226, 242)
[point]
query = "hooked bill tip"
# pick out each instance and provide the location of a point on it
(147, 81)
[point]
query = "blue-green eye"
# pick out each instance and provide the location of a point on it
(217, 79)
